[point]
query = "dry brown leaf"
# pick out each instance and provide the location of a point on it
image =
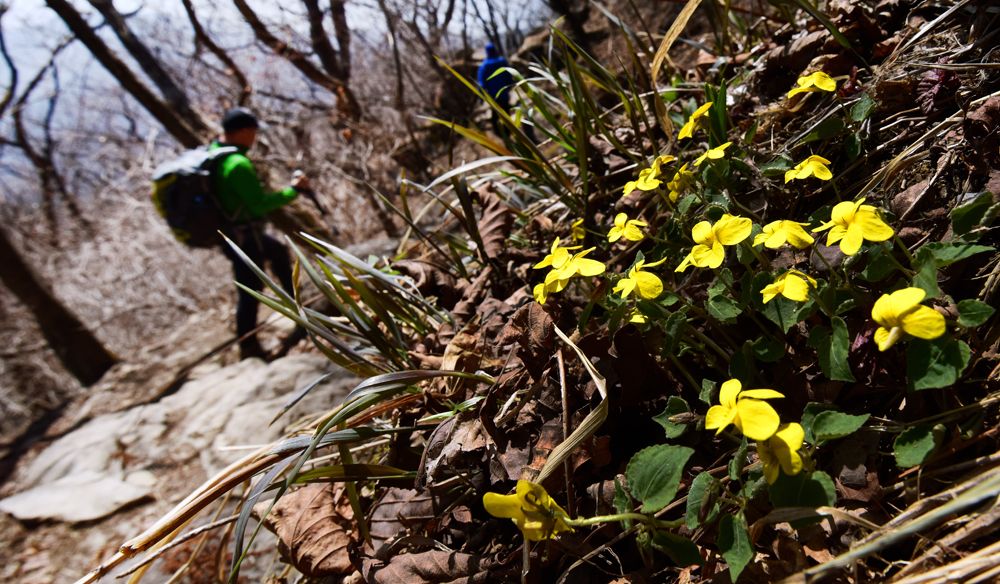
(315, 526)
(398, 510)
(429, 567)
(495, 223)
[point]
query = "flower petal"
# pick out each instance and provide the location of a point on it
(730, 230)
(924, 323)
(760, 394)
(756, 419)
(718, 417)
(796, 288)
(502, 506)
(872, 226)
(702, 233)
(853, 238)
(729, 391)
(649, 285)
(704, 256)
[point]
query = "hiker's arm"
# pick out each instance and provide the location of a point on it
(257, 201)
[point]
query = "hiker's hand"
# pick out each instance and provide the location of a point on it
(300, 182)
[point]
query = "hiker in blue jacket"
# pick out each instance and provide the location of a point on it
(498, 86)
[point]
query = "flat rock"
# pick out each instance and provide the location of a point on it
(75, 499)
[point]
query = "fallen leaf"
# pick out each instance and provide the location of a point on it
(315, 526)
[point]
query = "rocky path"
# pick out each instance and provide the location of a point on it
(128, 453)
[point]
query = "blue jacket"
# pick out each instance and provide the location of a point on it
(499, 85)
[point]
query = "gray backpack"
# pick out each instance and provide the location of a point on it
(184, 195)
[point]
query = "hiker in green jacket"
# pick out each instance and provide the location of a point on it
(247, 203)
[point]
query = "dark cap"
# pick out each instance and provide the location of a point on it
(239, 119)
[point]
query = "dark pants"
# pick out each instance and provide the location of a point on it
(262, 249)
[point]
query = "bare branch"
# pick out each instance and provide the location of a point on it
(320, 42)
(343, 34)
(169, 117)
(202, 38)
(174, 95)
(346, 102)
(12, 87)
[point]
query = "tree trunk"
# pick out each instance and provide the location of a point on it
(173, 94)
(169, 117)
(346, 102)
(77, 348)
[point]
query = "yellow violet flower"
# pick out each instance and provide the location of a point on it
(687, 130)
(648, 285)
(781, 452)
(682, 179)
(710, 239)
(853, 223)
(745, 409)
(577, 231)
(558, 256)
(576, 265)
(630, 229)
(531, 509)
(649, 178)
(540, 293)
(793, 285)
(901, 312)
(713, 154)
(812, 166)
(778, 233)
(818, 81)
(637, 317)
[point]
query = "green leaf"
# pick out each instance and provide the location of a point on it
(828, 128)
(967, 216)
(681, 550)
(915, 444)
(707, 391)
(830, 425)
(672, 329)
(878, 267)
(852, 146)
(702, 500)
(803, 490)
(945, 254)
(768, 350)
(776, 168)
(785, 313)
(937, 363)
(685, 203)
(809, 414)
(862, 108)
(734, 543)
(926, 277)
(832, 346)
(973, 312)
(723, 308)
(675, 405)
(737, 462)
(654, 475)
(622, 502)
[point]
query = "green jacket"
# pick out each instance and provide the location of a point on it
(239, 190)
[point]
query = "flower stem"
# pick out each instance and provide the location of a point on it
(639, 517)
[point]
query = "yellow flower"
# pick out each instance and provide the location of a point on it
(637, 317)
(630, 229)
(714, 154)
(649, 285)
(649, 178)
(777, 233)
(577, 231)
(531, 509)
(781, 452)
(901, 312)
(558, 256)
(710, 239)
(812, 166)
(793, 285)
(852, 223)
(564, 266)
(745, 409)
(687, 130)
(683, 179)
(818, 81)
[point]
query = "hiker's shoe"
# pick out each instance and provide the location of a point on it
(253, 348)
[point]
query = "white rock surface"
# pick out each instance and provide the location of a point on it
(117, 459)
